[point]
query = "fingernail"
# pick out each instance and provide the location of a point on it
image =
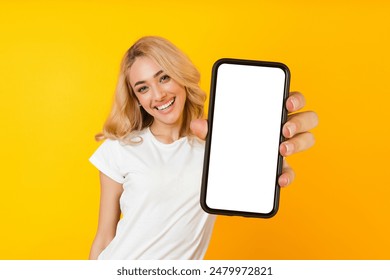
(291, 129)
(294, 102)
(289, 148)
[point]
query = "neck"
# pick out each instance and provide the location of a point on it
(166, 133)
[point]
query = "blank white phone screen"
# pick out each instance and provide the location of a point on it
(245, 138)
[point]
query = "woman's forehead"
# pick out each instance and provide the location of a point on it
(143, 69)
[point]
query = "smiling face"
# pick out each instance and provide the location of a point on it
(161, 96)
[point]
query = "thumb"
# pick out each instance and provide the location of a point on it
(199, 127)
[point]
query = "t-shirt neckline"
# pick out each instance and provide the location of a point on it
(165, 145)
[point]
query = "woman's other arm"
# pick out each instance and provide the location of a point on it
(109, 214)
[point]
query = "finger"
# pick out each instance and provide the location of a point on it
(199, 127)
(295, 101)
(299, 123)
(297, 144)
(287, 176)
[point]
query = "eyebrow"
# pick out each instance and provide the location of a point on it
(154, 76)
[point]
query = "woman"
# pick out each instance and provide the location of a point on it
(151, 161)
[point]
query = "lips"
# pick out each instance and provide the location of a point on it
(166, 105)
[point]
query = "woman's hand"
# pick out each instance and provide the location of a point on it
(295, 130)
(199, 128)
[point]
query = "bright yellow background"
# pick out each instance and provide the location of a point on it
(59, 64)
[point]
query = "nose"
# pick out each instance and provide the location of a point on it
(158, 92)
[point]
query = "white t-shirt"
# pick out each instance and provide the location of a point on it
(162, 217)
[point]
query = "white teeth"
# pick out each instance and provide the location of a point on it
(166, 105)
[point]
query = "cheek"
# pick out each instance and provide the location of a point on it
(183, 94)
(141, 98)
(177, 89)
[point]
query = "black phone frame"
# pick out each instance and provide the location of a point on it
(206, 161)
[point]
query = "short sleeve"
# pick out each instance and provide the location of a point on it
(107, 158)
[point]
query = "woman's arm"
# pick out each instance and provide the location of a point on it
(109, 214)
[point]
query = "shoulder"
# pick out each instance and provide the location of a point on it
(135, 139)
(196, 143)
(111, 145)
(107, 150)
(195, 146)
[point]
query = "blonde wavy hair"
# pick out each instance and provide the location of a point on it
(127, 118)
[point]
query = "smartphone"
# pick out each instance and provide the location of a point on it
(242, 162)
